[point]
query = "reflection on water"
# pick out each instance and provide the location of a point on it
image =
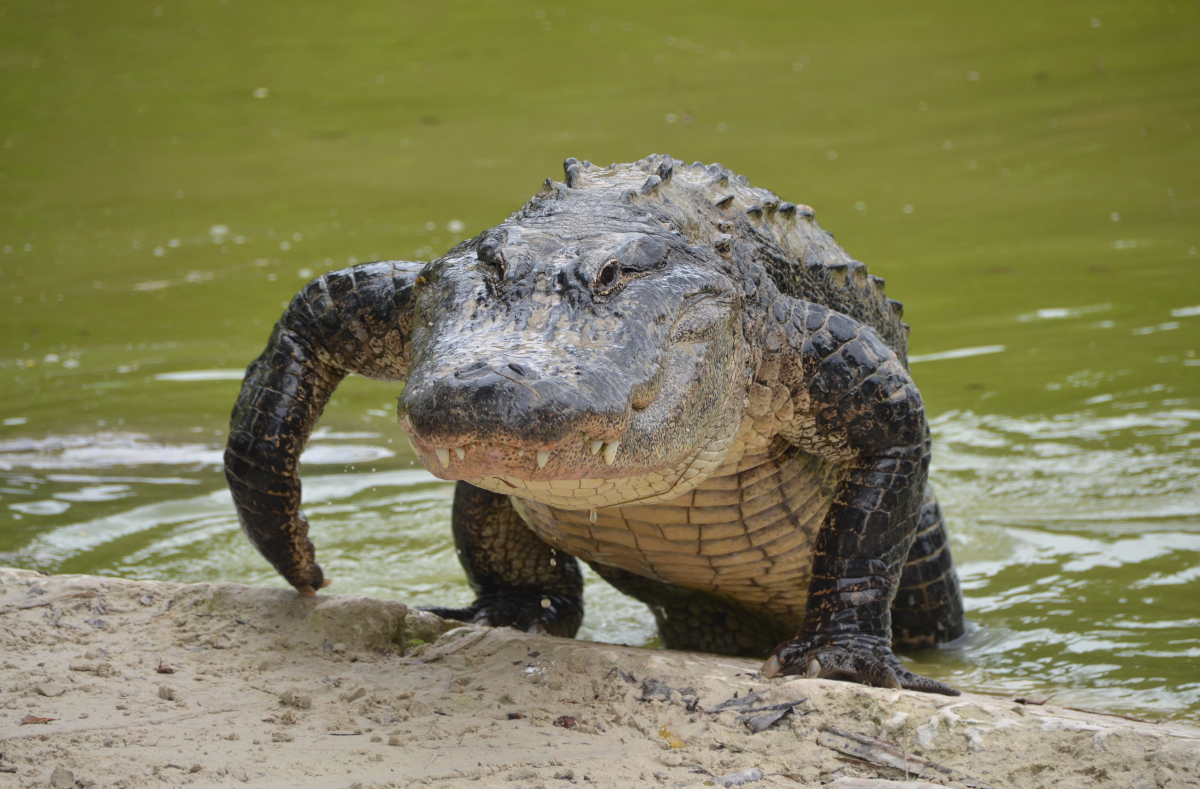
(1076, 537)
(1078, 540)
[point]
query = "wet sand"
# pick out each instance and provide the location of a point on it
(113, 683)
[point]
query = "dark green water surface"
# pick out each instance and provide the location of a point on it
(1026, 176)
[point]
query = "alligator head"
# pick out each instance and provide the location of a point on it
(582, 354)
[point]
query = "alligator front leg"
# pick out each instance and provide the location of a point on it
(519, 580)
(860, 553)
(357, 320)
(852, 401)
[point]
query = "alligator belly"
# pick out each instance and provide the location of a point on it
(746, 533)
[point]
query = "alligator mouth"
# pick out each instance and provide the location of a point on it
(579, 457)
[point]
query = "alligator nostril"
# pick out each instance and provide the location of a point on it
(472, 370)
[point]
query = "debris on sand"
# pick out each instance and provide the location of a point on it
(472, 706)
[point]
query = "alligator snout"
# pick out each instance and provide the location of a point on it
(509, 417)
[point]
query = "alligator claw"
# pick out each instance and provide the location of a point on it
(865, 659)
(307, 577)
(524, 609)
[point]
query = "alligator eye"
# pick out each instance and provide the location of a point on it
(489, 254)
(609, 277)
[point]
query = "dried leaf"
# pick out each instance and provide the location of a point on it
(672, 739)
(35, 719)
(735, 703)
(766, 719)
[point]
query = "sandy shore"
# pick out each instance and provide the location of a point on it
(113, 683)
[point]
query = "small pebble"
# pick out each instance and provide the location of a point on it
(62, 778)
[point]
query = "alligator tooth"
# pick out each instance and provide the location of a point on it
(520, 453)
(610, 452)
(591, 516)
(443, 457)
(595, 446)
(542, 459)
(459, 451)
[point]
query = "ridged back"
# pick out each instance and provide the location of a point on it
(709, 204)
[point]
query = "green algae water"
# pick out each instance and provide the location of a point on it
(1026, 176)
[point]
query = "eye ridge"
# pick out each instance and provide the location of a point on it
(499, 262)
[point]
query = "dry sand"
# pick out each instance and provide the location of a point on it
(147, 683)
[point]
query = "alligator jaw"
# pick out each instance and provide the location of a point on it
(571, 459)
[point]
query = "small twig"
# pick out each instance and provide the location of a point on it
(39, 604)
(465, 642)
(884, 754)
(1112, 715)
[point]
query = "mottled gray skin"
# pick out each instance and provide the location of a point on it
(661, 370)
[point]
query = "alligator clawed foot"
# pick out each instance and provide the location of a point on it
(865, 659)
(523, 609)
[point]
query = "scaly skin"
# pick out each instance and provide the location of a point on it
(660, 370)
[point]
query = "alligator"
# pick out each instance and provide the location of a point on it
(658, 369)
